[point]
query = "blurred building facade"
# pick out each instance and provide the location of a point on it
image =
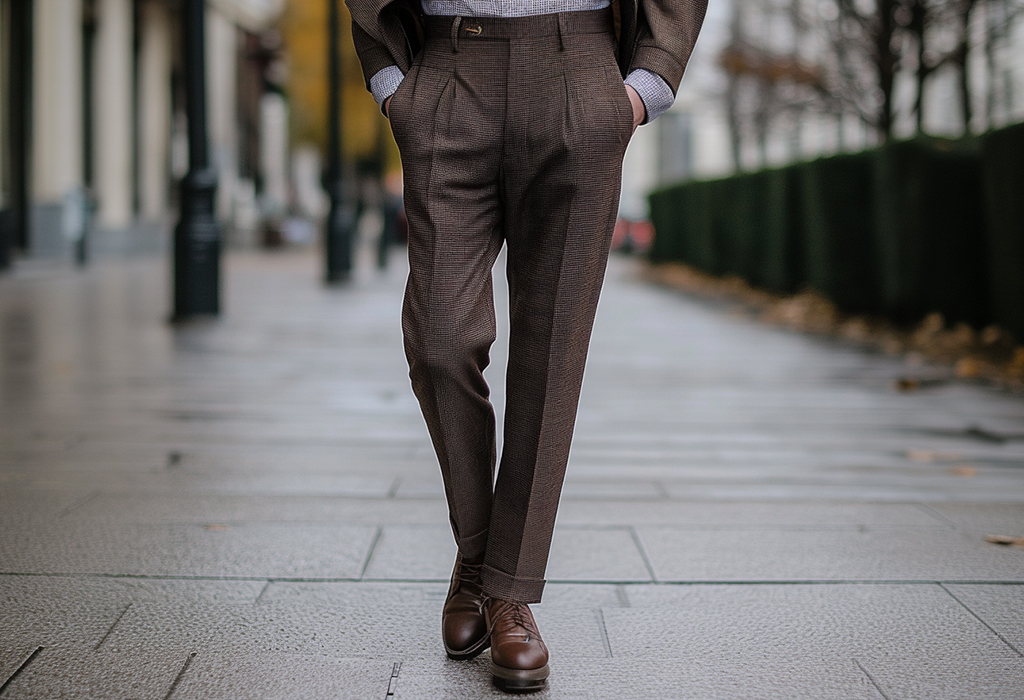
(92, 130)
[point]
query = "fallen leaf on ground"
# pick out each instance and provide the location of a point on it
(918, 455)
(964, 470)
(216, 527)
(1005, 540)
(967, 368)
(1017, 363)
(989, 354)
(908, 384)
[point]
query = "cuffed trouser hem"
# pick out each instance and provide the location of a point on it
(498, 584)
(472, 548)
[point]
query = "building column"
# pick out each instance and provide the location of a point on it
(112, 136)
(7, 227)
(154, 90)
(5, 42)
(222, 101)
(57, 202)
(274, 154)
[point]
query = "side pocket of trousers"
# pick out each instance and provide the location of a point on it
(397, 107)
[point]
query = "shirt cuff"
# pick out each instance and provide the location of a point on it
(384, 83)
(653, 90)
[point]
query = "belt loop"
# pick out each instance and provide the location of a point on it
(561, 31)
(455, 34)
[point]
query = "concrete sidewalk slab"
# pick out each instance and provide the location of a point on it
(752, 514)
(213, 550)
(82, 673)
(610, 679)
(262, 675)
(413, 553)
(597, 555)
(989, 518)
(1000, 608)
(251, 507)
(812, 555)
(914, 641)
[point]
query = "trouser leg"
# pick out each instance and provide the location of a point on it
(566, 135)
(448, 132)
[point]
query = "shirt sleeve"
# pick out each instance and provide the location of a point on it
(384, 83)
(653, 90)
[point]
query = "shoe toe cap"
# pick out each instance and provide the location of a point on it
(463, 631)
(521, 655)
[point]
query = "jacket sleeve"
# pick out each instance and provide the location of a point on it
(385, 33)
(665, 35)
(373, 55)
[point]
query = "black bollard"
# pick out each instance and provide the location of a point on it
(6, 237)
(197, 236)
(341, 216)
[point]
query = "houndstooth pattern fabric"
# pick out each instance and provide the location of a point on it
(511, 131)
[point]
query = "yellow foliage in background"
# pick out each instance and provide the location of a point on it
(304, 29)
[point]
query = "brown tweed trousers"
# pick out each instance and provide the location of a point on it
(511, 131)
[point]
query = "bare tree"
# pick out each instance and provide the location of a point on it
(860, 47)
(766, 83)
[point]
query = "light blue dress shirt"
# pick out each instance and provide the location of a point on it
(652, 88)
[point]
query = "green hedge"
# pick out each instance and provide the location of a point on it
(698, 220)
(782, 260)
(666, 216)
(1003, 177)
(837, 230)
(746, 226)
(742, 201)
(930, 230)
(909, 228)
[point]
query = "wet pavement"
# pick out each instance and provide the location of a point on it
(250, 507)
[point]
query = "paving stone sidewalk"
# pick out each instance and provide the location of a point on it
(250, 508)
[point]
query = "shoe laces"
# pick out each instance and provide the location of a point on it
(470, 573)
(467, 578)
(518, 614)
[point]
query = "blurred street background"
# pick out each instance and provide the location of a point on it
(798, 470)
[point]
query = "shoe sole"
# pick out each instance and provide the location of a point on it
(470, 653)
(515, 680)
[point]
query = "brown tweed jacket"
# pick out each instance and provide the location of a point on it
(654, 34)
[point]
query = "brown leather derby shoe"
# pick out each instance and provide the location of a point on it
(519, 657)
(463, 627)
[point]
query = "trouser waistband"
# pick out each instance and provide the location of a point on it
(557, 24)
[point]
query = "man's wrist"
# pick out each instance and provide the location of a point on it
(653, 91)
(384, 83)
